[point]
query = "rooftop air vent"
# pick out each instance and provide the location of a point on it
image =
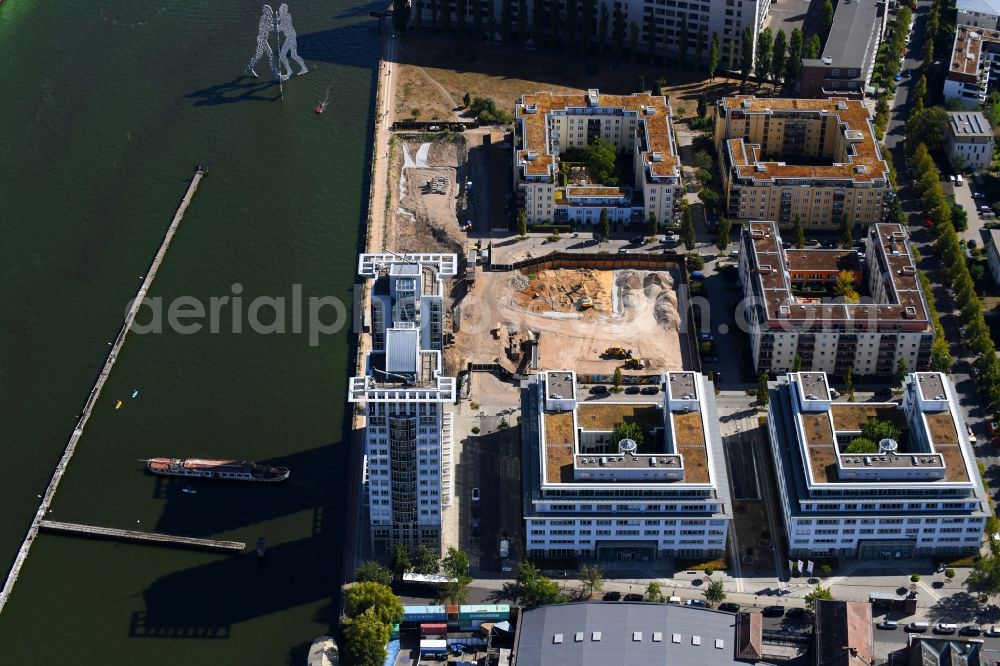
(827, 60)
(650, 110)
(746, 104)
(909, 313)
(604, 461)
(557, 638)
(593, 97)
(531, 108)
(532, 155)
(841, 105)
(657, 156)
(652, 462)
(939, 396)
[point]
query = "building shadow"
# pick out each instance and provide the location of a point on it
(240, 89)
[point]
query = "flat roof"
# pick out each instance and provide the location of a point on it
(969, 124)
(560, 385)
(931, 386)
(596, 634)
(653, 114)
(560, 446)
(606, 416)
(988, 7)
(852, 117)
(681, 384)
(814, 384)
(967, 52)
(822, 260)
(847, 45)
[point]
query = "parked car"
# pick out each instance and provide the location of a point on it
(928, 223)
(650, 390)
(993, 631)
(917, 627)
(729, 607)
(887, 625)
(697, 275)
(622, 250)
(773, 611)
(700, 603)
(633, 597)
(612, 596)
(631, 390)
(972, 435)
(600, 389)
(475, 494)
(971, 630)
(812, 241)
(945, 628)
(638, 240)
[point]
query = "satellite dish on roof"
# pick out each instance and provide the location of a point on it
(627, 446)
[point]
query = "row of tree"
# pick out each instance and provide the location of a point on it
(976, 334)
(888, 66)
(371, 609)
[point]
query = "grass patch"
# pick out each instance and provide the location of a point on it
(962, 562)
(701, 565)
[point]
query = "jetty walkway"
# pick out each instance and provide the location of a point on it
(136, 536)
(57, 474)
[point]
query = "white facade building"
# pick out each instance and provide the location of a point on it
(919, 496)
(590, 497)
(405, 398)
(969, 142)
(984, 14)
(993, 253)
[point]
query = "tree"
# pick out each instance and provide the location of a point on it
(919, 92)
(813, 48)
(604, 225)
(849, 384)
(845, 287)
(819, 593)
(618, 32)
(725, 228)
(746, 53)
(658, 87)
(714, 592)
(628, 430)
(825, 19)
(534, 589)
(522, 224)
(425, 560)
(653, 593)
(900, 375)
(875, 430)
(652, 226)
(797, 363)
(601, 159)
(592, 578)
(699, 46)
(365, 638)
(702, 105)
(798, 233)
(400, 560)
(687, 226)
(455, 565)
(763, 396)
(861, 445)
(846, 231)
(682, 46)
(928, 126)
(778, 56)
(710, 198)
(762, 69)
(714, 53)
(373, 572)
(793, 63)
(376, 597)
(617, 378)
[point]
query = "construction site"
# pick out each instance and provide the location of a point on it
(587, 320)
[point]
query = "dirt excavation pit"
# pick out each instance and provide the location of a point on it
(424, 213)
(633, 309)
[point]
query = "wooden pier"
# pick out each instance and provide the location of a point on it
(116, 346)
(155, 538)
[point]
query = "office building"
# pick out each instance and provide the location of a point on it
(585, 634)
(810, 159)
(918, 496)
(666, 19)
(969, 142)
(791, 311)
(848, 60)
(970, 67)
(587, 495)
(408, 431)
(548, 125)
(982, 14)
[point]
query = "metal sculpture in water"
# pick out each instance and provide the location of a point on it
(280, 24)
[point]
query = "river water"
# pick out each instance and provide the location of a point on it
(107, 107)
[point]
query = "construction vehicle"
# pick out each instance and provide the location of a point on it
(586, 303)
(617, 352)
(633, 363)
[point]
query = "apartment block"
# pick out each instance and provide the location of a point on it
(547, 125)
(982, 14)
(408, 431)
(993, 253)
(815, 160)
(969, 142)
(848, 59)
(971, 68)
(919, 496)
(587, 495)
(787, 318)
(665, 18)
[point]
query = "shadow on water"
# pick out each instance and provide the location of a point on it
(240, 89)
(361, 10)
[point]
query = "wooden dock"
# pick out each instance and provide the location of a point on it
(88, 407)
(155, 538)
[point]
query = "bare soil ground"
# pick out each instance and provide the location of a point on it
(421, 219)
(504, 73)
(639, 313)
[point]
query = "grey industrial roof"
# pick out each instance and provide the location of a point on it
(944, 652)
(598, 634)
(991, 7)
(401, 350)
(847, 44)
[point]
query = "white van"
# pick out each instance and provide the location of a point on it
(958, 180)
(674, 600)
(917, 627)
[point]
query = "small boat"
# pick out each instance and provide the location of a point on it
(135, 393)
(321, 108)
(230, 470)
(324, 652)
(261, 547)
(118, 405)
(189, 490)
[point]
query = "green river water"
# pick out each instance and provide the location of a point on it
(107, 107)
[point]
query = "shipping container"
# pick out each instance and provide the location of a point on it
(484, 612)
(395, 632)
(424, 614)
(428, 629)
(470, 625)
(433, 646)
